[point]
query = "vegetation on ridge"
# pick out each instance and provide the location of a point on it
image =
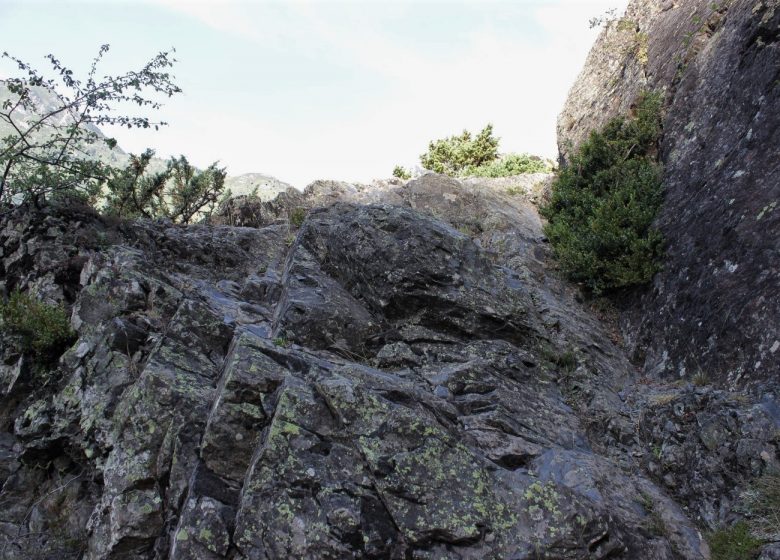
(467, 155)
(401, 172)
(604, 201)
(178, 193)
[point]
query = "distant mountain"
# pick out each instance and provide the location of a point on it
(264, 186)
(47, 102)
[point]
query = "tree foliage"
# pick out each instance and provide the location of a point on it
(455, 154)
(401, 172)
(604, 201)
(47, 154)
(191, 191)
(180, 192)
(511, 164)
(466, 155)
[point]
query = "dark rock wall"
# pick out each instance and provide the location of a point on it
(715, 308)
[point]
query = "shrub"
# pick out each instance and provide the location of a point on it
(401, 173)
(36, 328)
(603, 203)
(132, 192)
(297, 216)
(180, 192)
(455, 154)
(467, 156)
(192, 192)
(510, 164)
(734, 543)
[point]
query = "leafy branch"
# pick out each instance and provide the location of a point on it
(46, 152)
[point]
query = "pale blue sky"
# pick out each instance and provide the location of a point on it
(321, 89)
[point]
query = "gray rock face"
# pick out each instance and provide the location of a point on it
(714, 307)
(400, 379)
(263, 186)
(251, 211)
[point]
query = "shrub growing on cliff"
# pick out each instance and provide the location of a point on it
(604, 201)
(455, 154)
(466, 155)
(35, 328)
(511, 164)
(401, 172)
(192, 192)
(134, 193)
(180, 192)
(762, 502)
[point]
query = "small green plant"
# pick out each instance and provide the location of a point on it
(281, 341)
(700, 379)
(603, 203)
(297, 215)
(401, 172)
(35, 328)
(101, 240)
(655, 523)
(567, 362)
(734, 543)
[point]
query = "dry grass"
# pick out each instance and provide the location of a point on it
(762, 501)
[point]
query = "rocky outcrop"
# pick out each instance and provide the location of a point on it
(252, 211)
(401, 379)
(714, 309)
(256, 185)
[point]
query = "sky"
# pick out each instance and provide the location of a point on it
(325, 89)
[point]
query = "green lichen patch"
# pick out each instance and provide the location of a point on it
(432, 485)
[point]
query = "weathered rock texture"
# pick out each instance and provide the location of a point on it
(715, 307)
